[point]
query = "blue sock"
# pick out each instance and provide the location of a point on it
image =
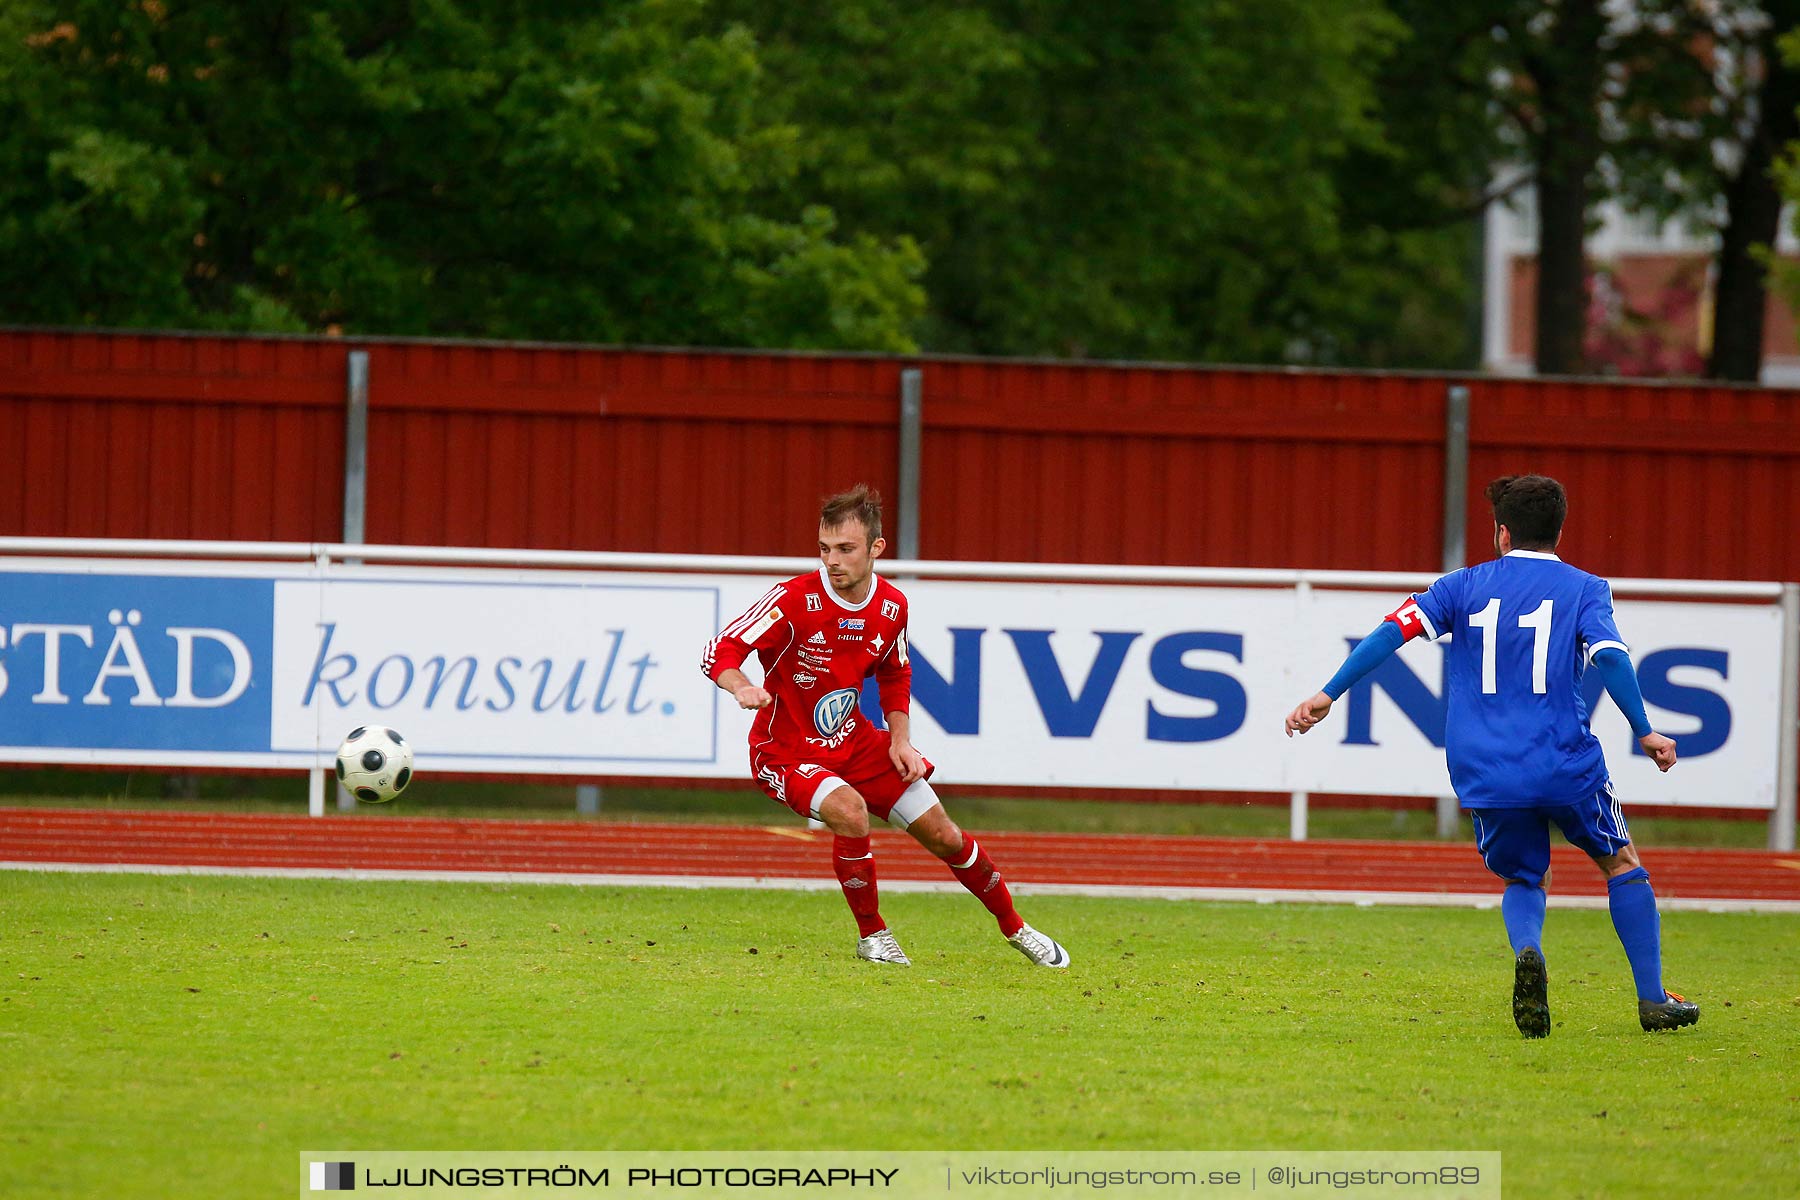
(1522, 907)
(1633, 905)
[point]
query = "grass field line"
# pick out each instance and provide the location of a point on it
(1361, 899)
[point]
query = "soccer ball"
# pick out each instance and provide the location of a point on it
(375, 764)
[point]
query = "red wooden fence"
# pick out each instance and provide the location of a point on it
(179, 436)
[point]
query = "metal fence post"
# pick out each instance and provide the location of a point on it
(912, 423)
(356, 481)
(1298, 800)
(1787, 774)
(1456, 543)
(356, 444)
(1456, 475)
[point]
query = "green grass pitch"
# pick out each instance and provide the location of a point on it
(189, 1035)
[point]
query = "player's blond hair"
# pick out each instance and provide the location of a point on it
(860, 503)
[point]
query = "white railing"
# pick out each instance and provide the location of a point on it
(595, 560)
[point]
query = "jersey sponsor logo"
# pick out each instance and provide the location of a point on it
(762, 626)
(833, 710)
(805, 678)
(818, 662)
(814, 602)
(890, 609)
(850, 637)
(850, 622)
(837, 739)
(817, 639)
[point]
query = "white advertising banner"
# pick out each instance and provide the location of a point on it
(1097, 686)
(582, 673)
(596, 676)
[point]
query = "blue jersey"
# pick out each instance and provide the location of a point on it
(1526, 626)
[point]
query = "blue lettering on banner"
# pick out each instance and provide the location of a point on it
(440, 670)
(1168, 669)
(868, 700)
(1712, 710)
(954, 703)
(335, 678)
(135, 662)
(954, 700)
(1069, 714)
(1427, 710)
(504, 680)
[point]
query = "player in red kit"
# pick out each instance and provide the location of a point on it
(818, 636)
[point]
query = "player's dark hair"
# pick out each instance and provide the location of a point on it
(860, 503)
(1532, 507)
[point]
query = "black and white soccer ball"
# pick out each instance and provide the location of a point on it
(375, 764)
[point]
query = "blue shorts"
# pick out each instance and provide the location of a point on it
(1515, 842)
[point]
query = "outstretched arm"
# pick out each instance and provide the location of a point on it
(1621, 683)
(747, 694)
(1370, 653)
(761, 625)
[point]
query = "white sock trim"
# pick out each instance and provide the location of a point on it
(974, 853)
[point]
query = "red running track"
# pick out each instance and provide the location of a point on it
(393, 843)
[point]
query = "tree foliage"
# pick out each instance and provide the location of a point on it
(507, 168)
(1289, 180)
(1169, 179)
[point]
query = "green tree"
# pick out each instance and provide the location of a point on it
(1166, 179)
(1761, 88)
(503, 168)
(1583, 100)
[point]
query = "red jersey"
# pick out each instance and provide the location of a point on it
(816, 649)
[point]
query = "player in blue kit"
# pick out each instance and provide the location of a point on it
(1516, 736)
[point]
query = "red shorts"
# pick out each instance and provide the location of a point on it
(868, 769)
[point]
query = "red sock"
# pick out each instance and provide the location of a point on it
(856, 875)
(975, 871)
